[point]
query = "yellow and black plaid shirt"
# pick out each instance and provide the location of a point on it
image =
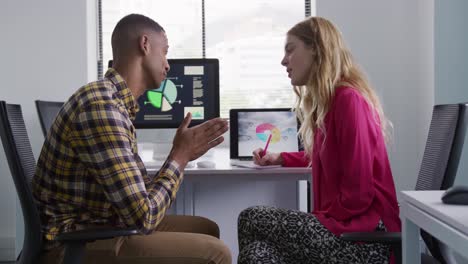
(89, 171)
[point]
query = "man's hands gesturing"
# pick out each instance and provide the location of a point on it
(191, 143)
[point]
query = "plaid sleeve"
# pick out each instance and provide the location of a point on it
(103, 140)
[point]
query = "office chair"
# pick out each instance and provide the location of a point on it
(22, 166)
(438, 170)
(47, 111)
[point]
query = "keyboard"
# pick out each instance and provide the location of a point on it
(157, 164)
(250, 164)
(241, 162)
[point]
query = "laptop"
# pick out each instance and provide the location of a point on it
(251, 128)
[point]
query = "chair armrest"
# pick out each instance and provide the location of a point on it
(87, 235)
(376, 237)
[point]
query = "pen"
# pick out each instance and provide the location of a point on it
(266, 147)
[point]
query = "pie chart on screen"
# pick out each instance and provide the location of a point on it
(264, 130)
(163, 97)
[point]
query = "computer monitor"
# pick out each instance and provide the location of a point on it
(192, 85)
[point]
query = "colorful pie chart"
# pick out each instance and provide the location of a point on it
(164, 96)
(264, 130)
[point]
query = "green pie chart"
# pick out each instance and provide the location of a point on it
(163, 97)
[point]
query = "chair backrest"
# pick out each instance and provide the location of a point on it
(47, 111)
(22, 166)
(443, 147)
(441, 156)
(457, 148)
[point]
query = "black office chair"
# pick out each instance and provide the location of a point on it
(438, 170)
(47, 111)
(22, 166)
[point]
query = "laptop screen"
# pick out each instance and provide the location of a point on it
(251, 128)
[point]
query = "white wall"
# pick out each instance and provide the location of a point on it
(393, 41)
(46, 53)
(451, 62)
(451, 65)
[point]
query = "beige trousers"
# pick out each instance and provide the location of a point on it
(178, 239)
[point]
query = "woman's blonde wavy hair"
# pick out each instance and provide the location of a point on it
(332, 66)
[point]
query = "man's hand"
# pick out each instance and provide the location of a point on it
(268, 158)
(191, 143)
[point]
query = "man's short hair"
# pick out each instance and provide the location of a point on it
(129, 28)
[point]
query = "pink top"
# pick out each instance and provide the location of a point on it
(352, 181)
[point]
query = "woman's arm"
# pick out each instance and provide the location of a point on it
(294, 159)
(356, 132)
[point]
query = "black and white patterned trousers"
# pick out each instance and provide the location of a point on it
(273, 235)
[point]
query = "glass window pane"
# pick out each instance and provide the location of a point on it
(181, 19)
(247, 36)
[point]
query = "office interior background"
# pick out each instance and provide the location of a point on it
(415, 53)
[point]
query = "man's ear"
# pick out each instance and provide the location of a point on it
(144, 44)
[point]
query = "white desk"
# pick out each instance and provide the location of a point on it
(220, 194)
(424, 209)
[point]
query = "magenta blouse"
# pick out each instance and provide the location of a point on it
(353, 186)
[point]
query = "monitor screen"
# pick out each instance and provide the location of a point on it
(251, 129)
(192, 85)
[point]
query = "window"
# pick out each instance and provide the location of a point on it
(247, 36)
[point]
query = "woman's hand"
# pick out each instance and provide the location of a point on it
(269, 158)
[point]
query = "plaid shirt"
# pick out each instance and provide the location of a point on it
(89, 171)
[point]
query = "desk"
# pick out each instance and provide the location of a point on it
(424, 209)
(220, 194)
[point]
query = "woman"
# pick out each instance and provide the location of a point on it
(343, 130)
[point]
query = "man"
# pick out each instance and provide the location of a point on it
(89, 172)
